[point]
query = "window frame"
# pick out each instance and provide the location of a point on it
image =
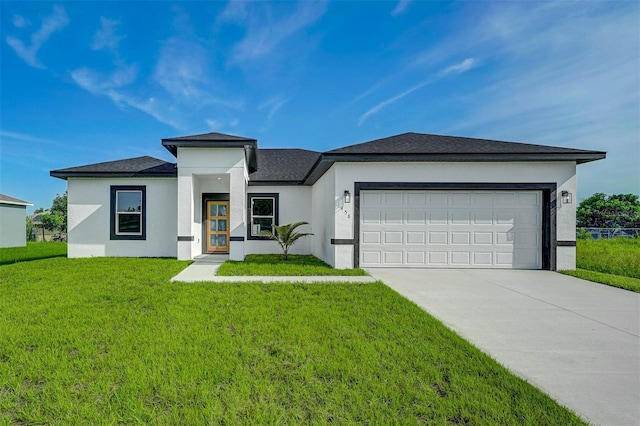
(250, 198)
(113, 228)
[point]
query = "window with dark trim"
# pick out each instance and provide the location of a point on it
(128, 213)
(262, 213)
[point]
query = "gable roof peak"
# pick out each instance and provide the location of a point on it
(207, 140)
(210, 137)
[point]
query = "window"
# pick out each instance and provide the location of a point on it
(263, 212)
(128, 212)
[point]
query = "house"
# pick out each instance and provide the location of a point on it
(410, 200)
(13, 222)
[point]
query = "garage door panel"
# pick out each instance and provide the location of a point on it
(460, 217)
(393, 257)
(460, 258)
(393, 237)
(370, 198)
(416, 199)
(416, 258)
(371, 237)
(438, 258)
(460, 238)
(483, 258)
(416, 237)
(371, 257)
(418, 217)
(482, 218)
(394, 199)
(482, 238)
(371, 217)
(438, 237)
(438, 217)
(496, 229)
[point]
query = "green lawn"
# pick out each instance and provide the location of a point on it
(32, 251)
(113, 341)
(272, 264)
(614, 262)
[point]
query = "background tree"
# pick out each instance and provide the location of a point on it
(31, 229)
(609, 211)
(56, 219)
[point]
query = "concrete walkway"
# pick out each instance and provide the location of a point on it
(578, 341)
(204, 268)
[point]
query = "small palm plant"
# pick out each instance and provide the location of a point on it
(285, 235)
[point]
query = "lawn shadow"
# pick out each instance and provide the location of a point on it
(31, 252)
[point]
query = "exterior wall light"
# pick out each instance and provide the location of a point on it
(347, 197)
(566, 197)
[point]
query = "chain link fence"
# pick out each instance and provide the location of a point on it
(597, 233)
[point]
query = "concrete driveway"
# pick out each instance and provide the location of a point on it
(578, 341)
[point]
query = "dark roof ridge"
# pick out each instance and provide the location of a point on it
(211, 136)
(432, 144)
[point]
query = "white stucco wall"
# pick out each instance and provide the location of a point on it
(89, 218)
(294, 206)
(13, 225)
(198, 173)
(323, 217)
(561, 173)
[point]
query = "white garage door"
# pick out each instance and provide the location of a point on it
(451, 229)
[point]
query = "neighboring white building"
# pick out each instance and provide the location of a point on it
(13, 222)
(410, 200)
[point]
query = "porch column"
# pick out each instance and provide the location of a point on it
(237, 203)
(185, 215)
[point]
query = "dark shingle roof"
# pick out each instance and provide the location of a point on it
(283, 165)
(5, 199)
(213, 136)
(420, 143)
(207, 140)
(132, 167)
(300, 166)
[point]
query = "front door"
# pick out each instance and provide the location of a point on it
(217, 224)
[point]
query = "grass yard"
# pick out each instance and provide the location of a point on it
(113, 341)
(272, 264)
(32, 251)
(614, 262)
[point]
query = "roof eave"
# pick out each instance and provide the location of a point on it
(326, 160)
(15, 203)
(275, 182)
(65, 175)
(172, 145)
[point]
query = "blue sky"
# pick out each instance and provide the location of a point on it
(85, 82)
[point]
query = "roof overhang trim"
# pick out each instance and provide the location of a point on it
(173, 145)
(327, 160)
(65, 175)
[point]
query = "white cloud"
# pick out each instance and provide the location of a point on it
(20, 22)
(105, 37)
(272, 106)
(400, 7)
(52, 23)
(263, 33)
(213, 125)
(97, 84)
(183, 70)
(571, 82)
(390, 101)
(463, 66)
